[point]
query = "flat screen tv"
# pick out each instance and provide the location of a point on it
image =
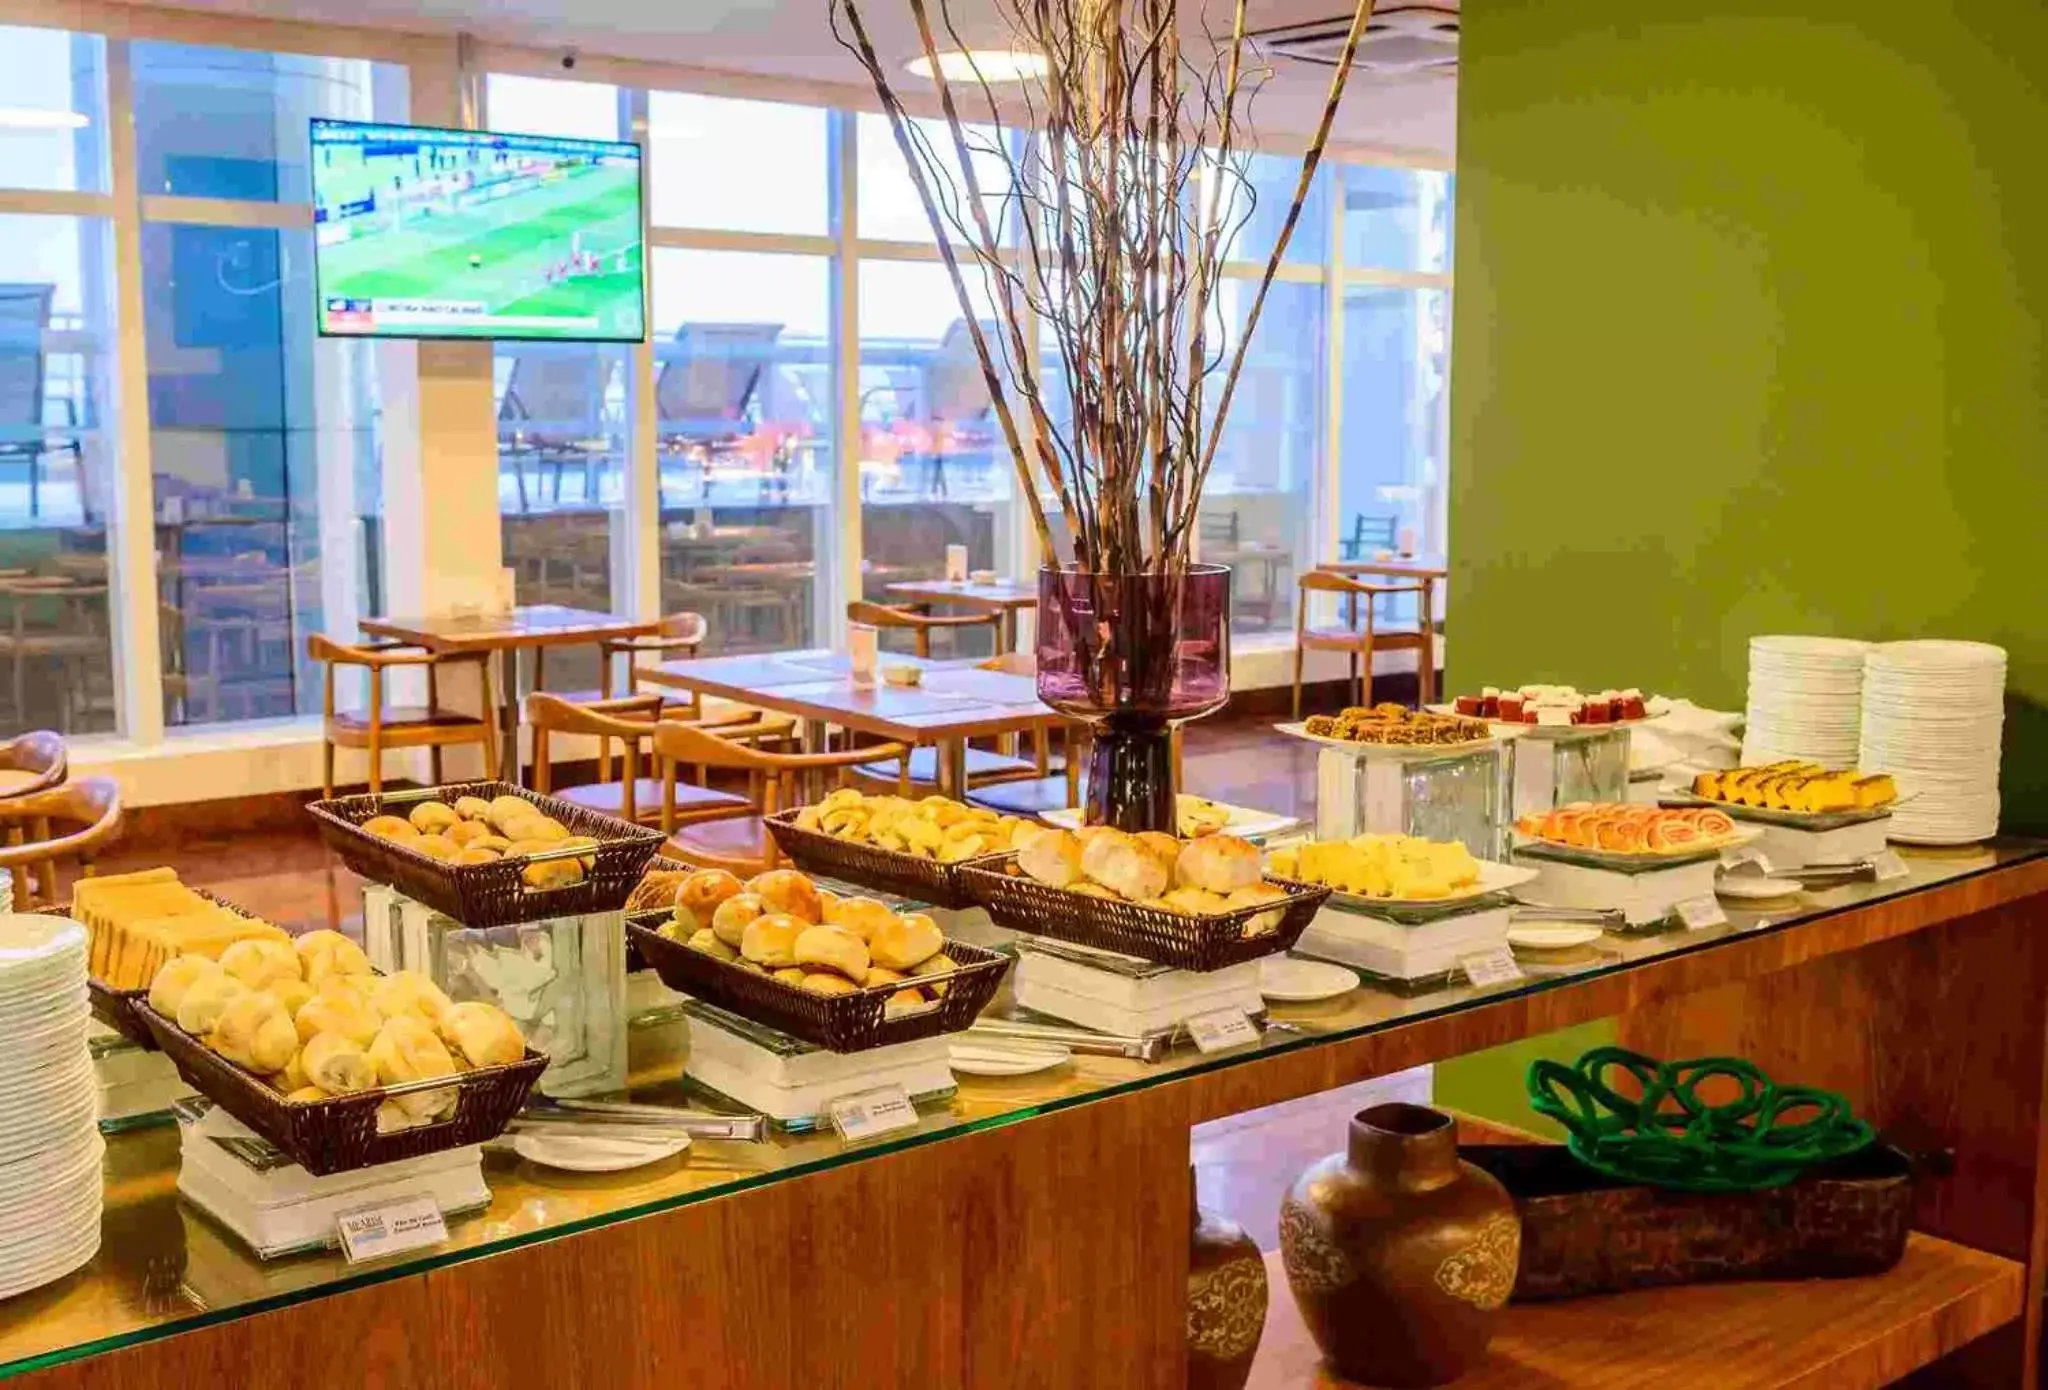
(428, 233)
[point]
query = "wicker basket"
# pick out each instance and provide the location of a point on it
(841, 1022)
(334, 1136)
(909, 876)
(490, 895)
(116, 1007)
(1022, 903)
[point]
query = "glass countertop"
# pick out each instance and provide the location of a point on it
(164, 1268)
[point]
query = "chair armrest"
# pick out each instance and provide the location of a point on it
(688, 645)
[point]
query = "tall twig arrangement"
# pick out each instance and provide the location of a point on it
(1120, 192)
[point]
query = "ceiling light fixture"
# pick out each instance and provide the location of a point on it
(982, 64)
(40, 118)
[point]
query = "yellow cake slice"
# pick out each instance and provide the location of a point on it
(1873, 791)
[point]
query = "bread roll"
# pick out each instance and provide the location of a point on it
(483, 1035)
(306, 1095)
(293, 994)
(465, 833)
(167, 990)
(1119, 863)
(1254, 894)
(771, 940)
(259, 961)
(882, 975)
(331, 954)
(337, 1065)
(823, 982)
(431, 817)
(656, 890)
(906, 940)
(1197, 902)
(497, 844)
(1219, 863)
(861, 916)
(903, 1001)
(547, 873)
(786, 890)
(544, 828)
(475, 854)
(1164, 848)
(254, 1032)
(312, 944)
(391, 1117)
(407, 992)
(436, 847)
(833, 948)
(1053, 858)
(472, 807)
(730, 919)
(407, 1049)
(711, 944)
(827, 900)
(390, 828)
(293, 1077)
(791, 974)
(509, 807)
(939, 964)
(344, 1013)
(702, 893)
(205, 999)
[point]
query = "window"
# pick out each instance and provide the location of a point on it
(1396, 379)
(54, 135)
(888, 207)
(743, 396)
(1396, 219)
(708, 157)
(262, 436)
(1252, 207)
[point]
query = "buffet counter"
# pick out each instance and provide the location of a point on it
(1033, 1230)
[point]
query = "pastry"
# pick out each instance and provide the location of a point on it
(306, 1095)
(861, 916)
(833, 948)
(331, 954)
(1253, 894)
(344, 1013)
(786, 890)
(435, 847)
(1164, 848)
(464, 833)
(293, 994)
(475, 854)
(472, 807)
(337, 1065)
(542, 874)
(882, 975)
(545, 829)
(258, 963)
(205, 1000)
(1118, 862)
(733, 916)
(1053, 858)
(407, 1049)
(167, 990)
(1219, 863)
(657, 890)
(508, 807)
(905, 941)
(293, 1077)
(1198, 902)
(482, 1035)
(391, 1117)
(903, 1001)
(770, 941)
(700, 894)
(703, 939)
(255, 1033)
(933, 827)
(390, 828)
(1195, 817)
(408, 993)
(790, 974)
(938, 963)
(431, 817)
(823, 982)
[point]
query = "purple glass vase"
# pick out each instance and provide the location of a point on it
(1132, 655)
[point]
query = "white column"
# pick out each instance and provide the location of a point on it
(843, 583)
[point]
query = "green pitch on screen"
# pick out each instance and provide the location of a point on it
(506, 253)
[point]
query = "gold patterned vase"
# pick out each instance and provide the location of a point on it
(1399, 1253)
(1226, 1301)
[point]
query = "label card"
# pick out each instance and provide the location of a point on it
(869, 1114)
(1221, 1029)
(1746, 854)
(1495, 967)
(1889, 866)
(1697, 914)
(390, 1227)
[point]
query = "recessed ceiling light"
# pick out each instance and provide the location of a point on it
(40, 118)
(983, 64)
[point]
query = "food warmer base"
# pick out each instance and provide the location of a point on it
(1426, 951)
(1124, 996)
(794, 1083)
(1789, 848)
(1644, 898)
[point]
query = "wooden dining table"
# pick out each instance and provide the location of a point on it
(532, 627)
(957, 700)
(1003, 597)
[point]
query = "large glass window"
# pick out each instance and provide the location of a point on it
(1396, 381)
(888, 207)
(743, 395)
(54, 132)
(737, 166)
(1252, 201)
(1396, 219)
(262, 436)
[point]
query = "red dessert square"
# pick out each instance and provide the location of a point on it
(1632, 707)
(1511, 709)
(1597, 712)
(1469, 705)
(1489, 707)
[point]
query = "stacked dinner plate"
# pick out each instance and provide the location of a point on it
(1805, 700)
(1932, 716)
(50, 1148)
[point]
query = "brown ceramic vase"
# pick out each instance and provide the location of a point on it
(1226, 1301)
(1399, 1253)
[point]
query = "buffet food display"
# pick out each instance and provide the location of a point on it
(1797, 786)
(139, 921)
(932, 827)
(1396, 725)
(1553, 706)
(1400, 867)
(1626, 828)
(476, 831)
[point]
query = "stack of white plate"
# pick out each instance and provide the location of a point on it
(1805, 700)
(1933, 713)
(50, 1182)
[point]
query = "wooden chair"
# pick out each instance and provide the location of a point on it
(33, 762)
(630, 721)
(918, 774)
(923, 625)
(92, 805)
(1378, 532)
(743, 846)
(401, 726)
(1362, 642)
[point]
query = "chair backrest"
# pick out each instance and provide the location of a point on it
(629, 717)
(924, 625)
(1377, 532)
(1220, 528)
(1325, 582)
(24, 314)
(91, 804)
(42, 757)
(681, 743)
(716, 369)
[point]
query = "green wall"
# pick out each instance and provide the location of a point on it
(1749, 338)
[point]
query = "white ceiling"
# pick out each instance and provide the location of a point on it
(791, 39)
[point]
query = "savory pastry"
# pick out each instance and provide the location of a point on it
(703, 939)
(833, 948)
(933, 827)
(337, 1065)
(431, 818)
(882, 975)
(435, 847)
(823, 982)
(258, 963)
(293, 1077)
(407, 1049)
(509, 808)
(1219, 863)
(342, 1012)
(905, 941)
(1195, 817)
(167, 990)
(254, 1032)
(482, 1035)
(465, 833)
(861, 916)
(475, 854)
(733, 916)
(790, 974)
(700, 894)
(903, 1001)
(938, 964)
(1253, 894)
(390, 828)
(330, 957)
(657, 888)
(472, 807)
(306, 1095)
(407, 993)
(770, 941)
(293, 994)
(205, 1000)
(1118, 862)
(1053, 858)
(1197, 902)
(1164, 848)
(786, 890)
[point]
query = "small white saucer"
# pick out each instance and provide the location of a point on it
(1000, 1059)
(1290, 980)
(578, 1154)
(1552, 936)
(1747, 889)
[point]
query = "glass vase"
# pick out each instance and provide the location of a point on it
(1132, 655)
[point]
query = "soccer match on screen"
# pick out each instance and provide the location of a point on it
(425, 233)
